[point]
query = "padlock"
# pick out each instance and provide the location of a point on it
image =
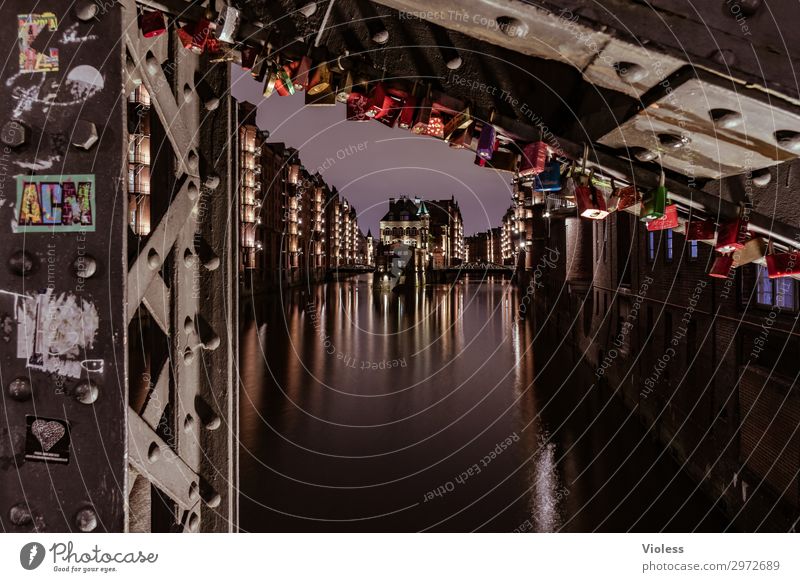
(697, 229)
(261, 64)
(152, 23)
(424, 111)
(626, 197)
(357, 103)
(408, 113)
(534, 158)
(666, 222)
(783, 264)
(721, 268)
(731, 235)
(194, 37)
(462, 138)
(284, 85)
(460, 120)
(228, 24)
(503, 160)
(271, 79)
(590, 202)
(753, 250)
(550, 179)
(249, 55)
(320, 79)
(655, 202)
(300, 77)
(435, 125)
(486, 141)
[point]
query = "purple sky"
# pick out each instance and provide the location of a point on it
(369, 162)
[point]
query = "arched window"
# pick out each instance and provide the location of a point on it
(387, 231)
(397, 231)
(414, 231)
(408, 232)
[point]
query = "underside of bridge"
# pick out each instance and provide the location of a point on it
(134, 427)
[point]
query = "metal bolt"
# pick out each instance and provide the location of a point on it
(630, 72)
(86, 520)
(643, 154)
(20, 389)
(194, 491)
(84, 267)
(762, 177)
(194, 522)
(309, 9)
(670, 140)
(20, 514)
(192, 191)
(14, 134)
(725, 118)
(192, 160)
(84, 134)
(87, 392)
(22, 263)
(86, 10)
(154, 453)
(789, 140)
(512, 27)
(153, 259)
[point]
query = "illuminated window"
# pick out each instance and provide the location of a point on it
(668, 250)
(651, 246)
(693, 249)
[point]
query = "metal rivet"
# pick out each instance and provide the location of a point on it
(212, 264)
(13, 134)
(153, 66)
(86, 520)
(725, 118)
(20, 389)
(194, 491)
(789, 140)
(454, 63)
(22, 263)
(87, 392)
(194, 522)
(745, 7)
(85, 10)
(188, 423)
(671, 140)
(512, 27)
(643, 154)
(381, 37)
(188, 356)
(188, 93)
(153, 259)
(189, 258)
(192, 191)
(212, 342)
(309, 9)
(212, 498)
(188, 325)
(153, 453)
(211, 104)
(19, 514)
(213, 422)
(192, 160)
(211, 182)
(84, 267)
(630, 72)
(762, 177)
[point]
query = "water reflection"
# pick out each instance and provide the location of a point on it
(363, 410)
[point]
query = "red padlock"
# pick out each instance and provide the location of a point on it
(194, 36)
(730, 236)
(152, 23)
(721, 269)
(666, 222)
(591, 202)
(534, 158)
(379, 101)
(700, 229)
(627, 197)
(301, 74)
(357, 104)
(408, 113)
(249, 55)
(783, 264)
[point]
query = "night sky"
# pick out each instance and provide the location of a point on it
(369, 162)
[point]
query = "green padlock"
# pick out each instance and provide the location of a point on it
(654, 202)
(286, 79)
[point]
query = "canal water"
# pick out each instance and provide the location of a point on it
(362, 410)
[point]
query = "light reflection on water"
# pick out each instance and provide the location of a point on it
(358, 406)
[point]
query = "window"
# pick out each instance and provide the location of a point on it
(668, 249)
(651, 246)
(775, 292)
(693, 249)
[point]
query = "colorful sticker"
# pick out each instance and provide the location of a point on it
(34, 58)
(55, 203)
(47, 439)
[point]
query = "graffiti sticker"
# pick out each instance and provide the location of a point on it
(47, 440)
(55, 203)
(34, 57)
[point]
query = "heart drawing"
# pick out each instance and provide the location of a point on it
(47, 432)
